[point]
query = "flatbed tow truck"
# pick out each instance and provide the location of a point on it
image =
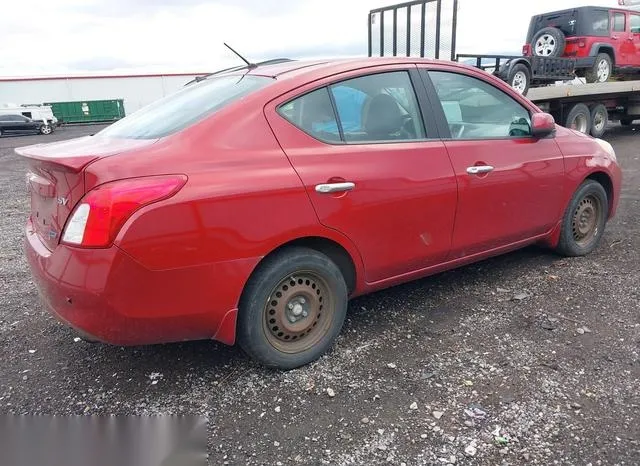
(407, 29)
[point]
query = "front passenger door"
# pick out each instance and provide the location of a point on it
(510, 184)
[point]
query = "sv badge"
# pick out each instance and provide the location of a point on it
(63, 201)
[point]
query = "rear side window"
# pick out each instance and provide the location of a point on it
(374, 108)
(314, 114)
(619, 22)
(597, 23)
(12, 118)
(185, 107)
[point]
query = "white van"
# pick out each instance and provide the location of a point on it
(35, 112)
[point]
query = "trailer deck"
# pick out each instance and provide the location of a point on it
(597, 91)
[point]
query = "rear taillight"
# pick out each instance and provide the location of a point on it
(526, 50)
(100, 214)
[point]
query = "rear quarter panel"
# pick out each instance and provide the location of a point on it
(242, 199)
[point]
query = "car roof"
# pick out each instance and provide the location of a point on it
(316, 69)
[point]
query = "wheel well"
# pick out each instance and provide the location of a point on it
(606, 183)
(331, 249)
(524, 62)
(609, 51)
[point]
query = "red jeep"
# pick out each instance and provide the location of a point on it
(603, 41)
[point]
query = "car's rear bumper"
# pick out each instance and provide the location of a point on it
(108, 296)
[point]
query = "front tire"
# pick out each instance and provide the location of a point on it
(292, 309)
(45, 129)
(584, 220)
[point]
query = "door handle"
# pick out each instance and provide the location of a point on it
(476, 169)
(334, 187)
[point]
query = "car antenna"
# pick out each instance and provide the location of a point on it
(249, 64)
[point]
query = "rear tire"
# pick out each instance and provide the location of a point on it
(601, 70)
(579, 119)
(584, 220)
(548, 42)
(292, 309)
(520, 78)
(599, 120)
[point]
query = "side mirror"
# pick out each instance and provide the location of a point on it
(542, 125)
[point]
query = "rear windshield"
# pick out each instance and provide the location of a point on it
(185, 107)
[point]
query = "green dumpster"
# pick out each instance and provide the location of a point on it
(88, 111)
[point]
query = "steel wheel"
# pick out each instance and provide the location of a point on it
(546, 45)
(585, 220)
(599, 120)
(292, 308)
(299, 312)
(579, 123)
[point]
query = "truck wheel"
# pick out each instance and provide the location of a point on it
(292, 309)
(520, 78)
(600, 72)
(549, 42)
(599, 120)
(579, 119)
(584, 220)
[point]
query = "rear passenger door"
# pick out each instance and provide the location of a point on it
(373, 165)
(510, 183)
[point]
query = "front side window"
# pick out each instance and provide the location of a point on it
(635, 24)
(619, 21)
(374, 108)
(378, 108)
(185, 107)
(476, 110)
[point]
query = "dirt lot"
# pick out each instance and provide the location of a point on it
(526, 358)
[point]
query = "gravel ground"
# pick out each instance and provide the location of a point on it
(526, 358)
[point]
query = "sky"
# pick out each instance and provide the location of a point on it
(45, 37)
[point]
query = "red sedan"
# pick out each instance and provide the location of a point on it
(252, 205)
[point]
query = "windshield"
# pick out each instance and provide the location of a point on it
(185, 107)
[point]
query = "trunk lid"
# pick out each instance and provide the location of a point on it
(55, 178)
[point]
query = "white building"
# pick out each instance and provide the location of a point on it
(136, 90)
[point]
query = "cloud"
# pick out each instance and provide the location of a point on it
(101, 64)
(71, 36)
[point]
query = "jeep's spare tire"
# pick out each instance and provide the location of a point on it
(548, 42)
